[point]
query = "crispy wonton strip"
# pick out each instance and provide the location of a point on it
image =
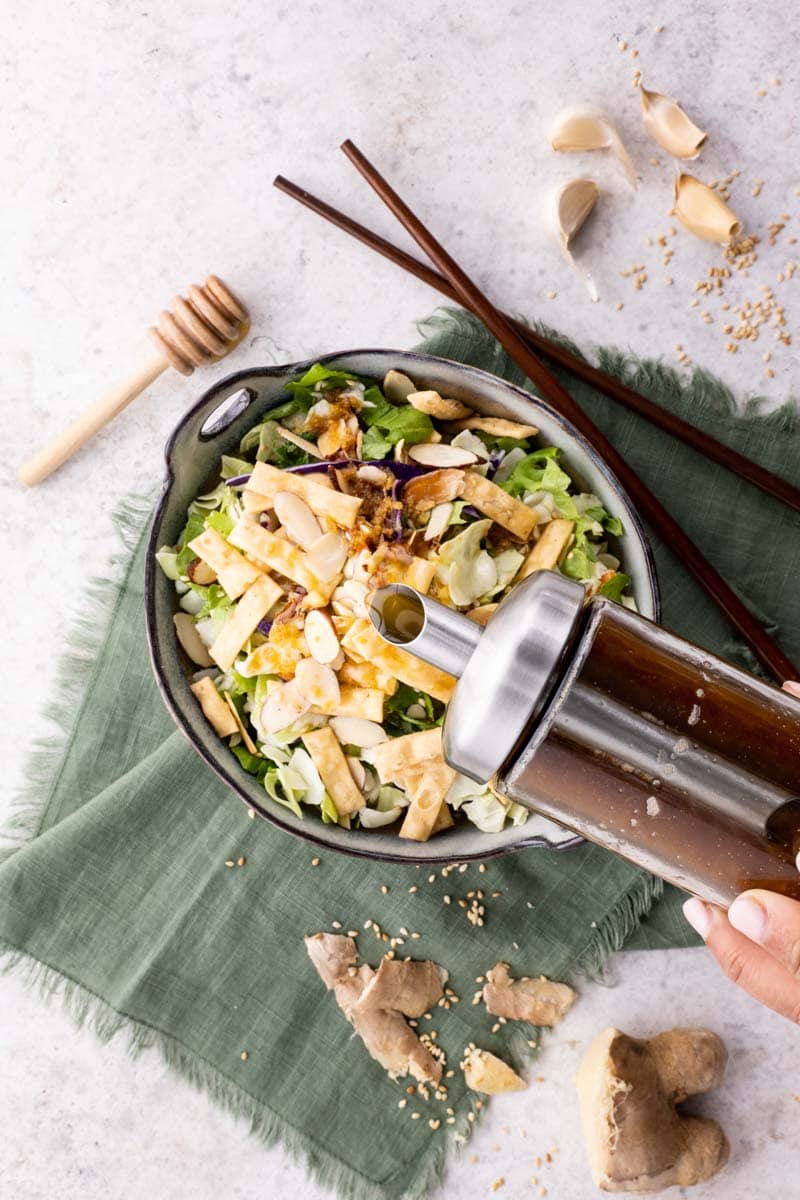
(401, 754)
(214, 707)
(253, 606)
(282, 556)
(266, 481)
(366, 675)
(329, 759)
(496, 426)
(234, 572)
(419, 574)
(356, 702)
(248, 741)
(495, 503)
(427, 799)
(555, 538)
(444, 819)
(364, 640)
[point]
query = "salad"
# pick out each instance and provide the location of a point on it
(345, 487)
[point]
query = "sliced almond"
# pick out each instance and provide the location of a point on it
(189, 639)
(323, 644)
(397, 386)
(317, 683)
(372, 474)
(437, 406)
(438, 521)
(327, 555)
(357, 771)
(297, 519)
(440, 454)
(436, 487)
(283, 706)
(301, 442)
(355, 731)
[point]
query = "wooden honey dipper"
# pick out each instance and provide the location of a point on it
(196, 331)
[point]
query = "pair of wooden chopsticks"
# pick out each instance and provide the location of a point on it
(519, 342)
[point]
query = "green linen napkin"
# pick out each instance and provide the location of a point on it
(118, 898)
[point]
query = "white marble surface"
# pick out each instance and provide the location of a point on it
(138, 144)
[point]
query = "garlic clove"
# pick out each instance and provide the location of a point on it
(585, 127)
(668, 124)
(705, 214)
(567, 211)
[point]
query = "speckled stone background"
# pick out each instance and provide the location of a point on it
(138, 146)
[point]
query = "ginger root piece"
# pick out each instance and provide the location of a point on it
(374, 1002)
(536, 1000)
(484, 1072)
(410, 988)
(628, 1088)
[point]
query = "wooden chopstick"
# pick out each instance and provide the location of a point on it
(768, 653)
(703, 443)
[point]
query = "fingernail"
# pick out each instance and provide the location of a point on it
(749, 918)
(792, 688)
(797, 860)
(698, 916)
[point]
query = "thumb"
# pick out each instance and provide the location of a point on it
(771, 921)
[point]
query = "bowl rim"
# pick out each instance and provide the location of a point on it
(310, 833)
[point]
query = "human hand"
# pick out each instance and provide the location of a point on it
(757, 942)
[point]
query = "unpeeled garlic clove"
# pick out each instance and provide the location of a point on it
(700, 210)
(584, 127)
(568, 210)
(668, 124)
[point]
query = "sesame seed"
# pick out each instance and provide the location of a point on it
(251, 812)
(384, 889)
(434, 1123)
(244, 1056)
(413, 889)
(402, 1103)
(415, 1116)
(432, 878)
(445, 899)
(622, 46)
(315, 862)
(229, 862)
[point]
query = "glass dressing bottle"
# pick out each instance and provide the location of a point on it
(625, 732)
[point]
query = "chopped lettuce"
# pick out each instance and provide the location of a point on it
(405, 424)
(230, 466)
(167, 559)
(396, 717)
(613, 588)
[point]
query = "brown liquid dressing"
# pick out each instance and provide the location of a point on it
(682, 764)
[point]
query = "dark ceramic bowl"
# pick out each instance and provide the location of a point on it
(214, 427)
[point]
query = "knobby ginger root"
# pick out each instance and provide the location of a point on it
(628, 1088)
(377, 1002)
(539, 1001)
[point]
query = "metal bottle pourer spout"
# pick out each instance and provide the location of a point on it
(507, 670)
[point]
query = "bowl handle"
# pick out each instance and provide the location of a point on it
(226, 413)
